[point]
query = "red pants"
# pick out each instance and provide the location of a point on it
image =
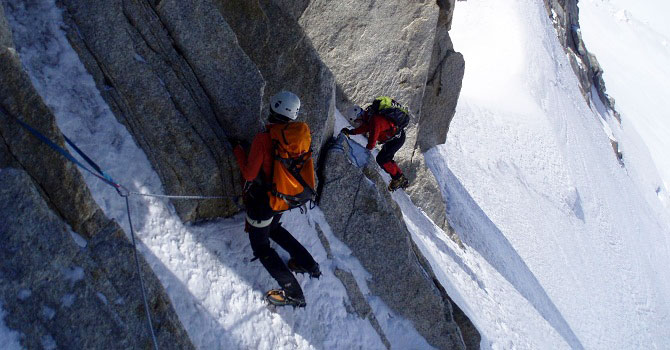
(385, 156)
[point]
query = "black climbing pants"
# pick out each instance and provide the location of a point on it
(258, 211)
(388, 151)
(260, 244)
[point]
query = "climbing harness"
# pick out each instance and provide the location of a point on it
(120, 189)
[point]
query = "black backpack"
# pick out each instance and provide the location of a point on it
(391, 110)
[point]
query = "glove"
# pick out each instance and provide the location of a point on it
(235, 142)
(346, 131)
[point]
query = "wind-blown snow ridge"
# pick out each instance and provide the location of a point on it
(205, 268)
(632, 42)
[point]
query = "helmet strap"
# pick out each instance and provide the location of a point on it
(276, 118)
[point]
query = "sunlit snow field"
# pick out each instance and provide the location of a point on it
(631, 40)
(532, 184)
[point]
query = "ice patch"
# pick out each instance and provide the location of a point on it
(139, 58)
(102, 298)
(48, 313)
(68, 300)
(24, 294)
(81, 241)
(49, 343)
(73, 274)
(8, 338)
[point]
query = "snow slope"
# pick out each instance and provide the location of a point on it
(534, 188)
(631, 40)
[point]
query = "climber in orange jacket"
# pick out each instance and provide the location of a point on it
(262, 223)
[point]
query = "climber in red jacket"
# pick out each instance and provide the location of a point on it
(380, 125)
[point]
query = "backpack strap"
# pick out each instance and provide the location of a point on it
(292, 167)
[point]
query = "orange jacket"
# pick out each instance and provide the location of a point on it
(379, 129)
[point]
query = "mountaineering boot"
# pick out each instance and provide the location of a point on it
(399, 182)
(314, 272)
(278, 297)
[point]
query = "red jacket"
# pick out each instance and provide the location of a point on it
(379, 129)
(260, 157)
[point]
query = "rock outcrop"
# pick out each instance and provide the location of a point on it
(565, 16)
(67, 275)
(185, 76)
(361, 214)
(443, 85)
(270, 35)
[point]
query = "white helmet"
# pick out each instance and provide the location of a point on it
(285, 103)
(354, 113)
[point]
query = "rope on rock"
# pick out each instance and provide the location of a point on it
(139, 275)
(121, 190)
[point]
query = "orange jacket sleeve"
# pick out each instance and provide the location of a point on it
(251, 166)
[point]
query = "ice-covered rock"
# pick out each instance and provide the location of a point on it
(362, 214)
(565, 16)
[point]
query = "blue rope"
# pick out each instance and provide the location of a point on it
(101, 174)
(90, 162)
(107, 179)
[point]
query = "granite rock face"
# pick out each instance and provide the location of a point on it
(272, 38)
(73, 292)
(361, 214)
(5, 34)
(393, 49)
(173, 73)
(58, 179)
(443, 86)
(185, 76)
